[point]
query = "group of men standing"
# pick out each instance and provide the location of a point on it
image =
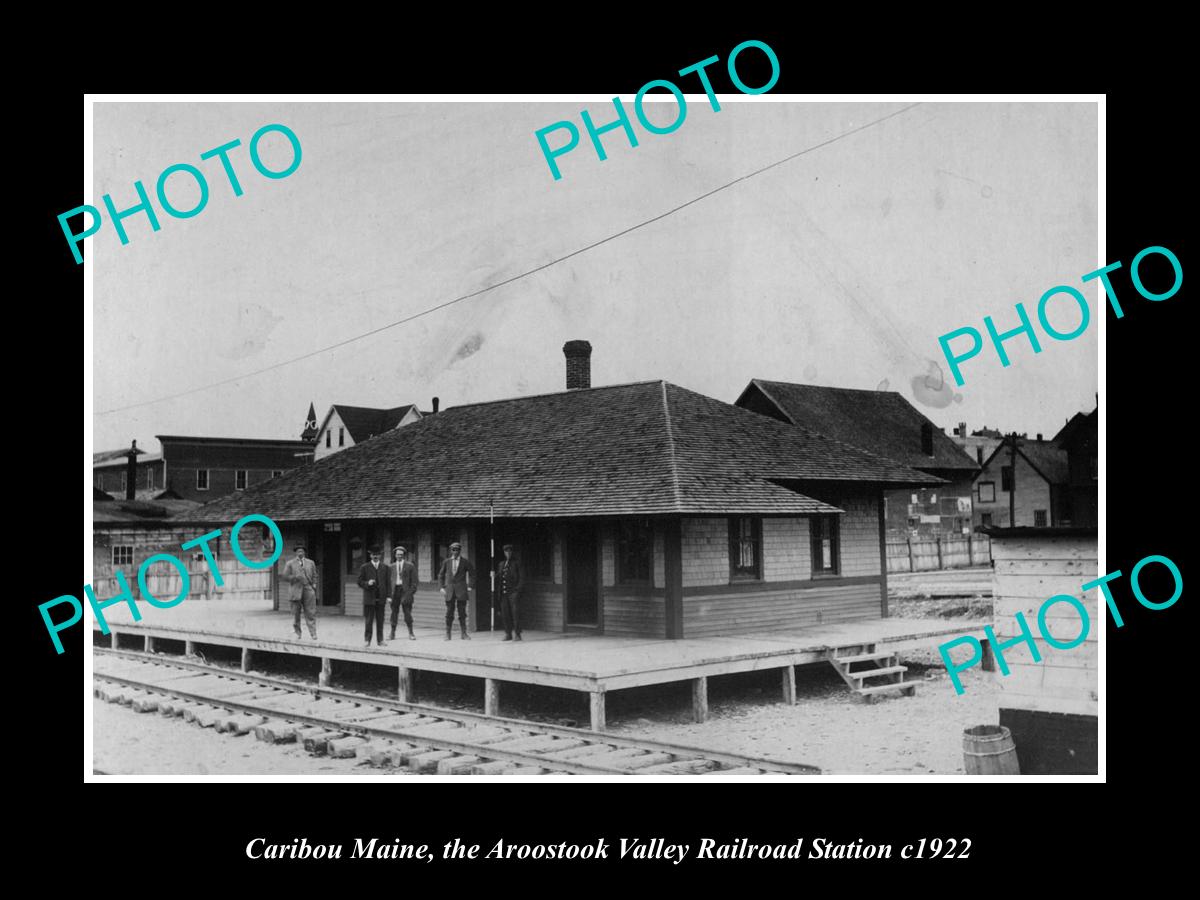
(397, 582)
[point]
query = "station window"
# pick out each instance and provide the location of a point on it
(635, 552)
(745, 548)
(1039, 518)
(823, 531)
(122, 555)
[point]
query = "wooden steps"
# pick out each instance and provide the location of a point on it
(878, 674)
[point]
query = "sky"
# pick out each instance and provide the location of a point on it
(841, 266)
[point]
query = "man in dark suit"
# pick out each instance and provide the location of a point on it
(510, 594)
(456, 577)
(404, 586)
(375, 579)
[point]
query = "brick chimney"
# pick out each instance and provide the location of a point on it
(131, 472)
(962, 429)
(436, 402)
(579, 364)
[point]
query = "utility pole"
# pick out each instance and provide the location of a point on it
(492, 560)
(1012, 484)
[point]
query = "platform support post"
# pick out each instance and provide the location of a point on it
(326, 671)
(989, 656)
(245, 659)
(406, 692)
(491, 697)
(189, 648)
(149, 644)
(700, 698)
(597, 710)
(789, 685)
(112, 639)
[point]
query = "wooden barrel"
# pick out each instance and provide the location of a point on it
(989, 750)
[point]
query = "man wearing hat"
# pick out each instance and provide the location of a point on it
(404, 586)
(510, 593)
(375, 579)
(455, 578)
(301, 574)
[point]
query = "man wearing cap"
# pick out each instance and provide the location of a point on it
(375, 579)
(404, 586)
(301, 574)
(455, 578)
(510, 594)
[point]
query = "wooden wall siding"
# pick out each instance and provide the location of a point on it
(425, 556)
(1033, 493)
(740, 612)
(859, 536)
(660, 559)
(786, 553)
(558, 557)
(634, 616)
(541, 607)
(1028, 571)
(705, 552)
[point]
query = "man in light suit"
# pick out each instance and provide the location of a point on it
(404, 586)
(455, 578)
(301, 574)
(375, 579)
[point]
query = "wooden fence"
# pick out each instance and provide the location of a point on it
(942, 552)
(164, 583)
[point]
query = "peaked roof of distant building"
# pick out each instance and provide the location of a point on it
(119, 462)
(636, 449)
(364, 422)
(1076, 426)
(1047, 458)
(882, 422)
(149, 512)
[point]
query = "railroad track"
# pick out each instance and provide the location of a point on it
(424, 739)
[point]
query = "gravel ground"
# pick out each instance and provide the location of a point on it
(131, 743)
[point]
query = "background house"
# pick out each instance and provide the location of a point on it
(344, 426)
(886, 424)
(1080, 440)
(111, 473)
(638, 509)
(1036, 482)
(978, 445)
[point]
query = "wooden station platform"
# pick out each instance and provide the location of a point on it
(593, 664)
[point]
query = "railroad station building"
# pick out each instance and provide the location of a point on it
(640, 509)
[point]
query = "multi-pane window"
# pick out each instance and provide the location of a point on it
(202, 479)
(1006, 478)
(987, 492)
(275, 473)
(825, 556)
(122, 555)
(987, 520)
(1039, 518)
(341, 437)
(239, 480)
(745, 547)
(635, 552)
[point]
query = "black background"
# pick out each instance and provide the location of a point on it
(189, 830)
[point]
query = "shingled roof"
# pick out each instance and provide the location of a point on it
(1047, 458)
(636, 449)
(364, 422)
(882, 422)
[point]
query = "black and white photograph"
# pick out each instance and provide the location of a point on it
(687, 436)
